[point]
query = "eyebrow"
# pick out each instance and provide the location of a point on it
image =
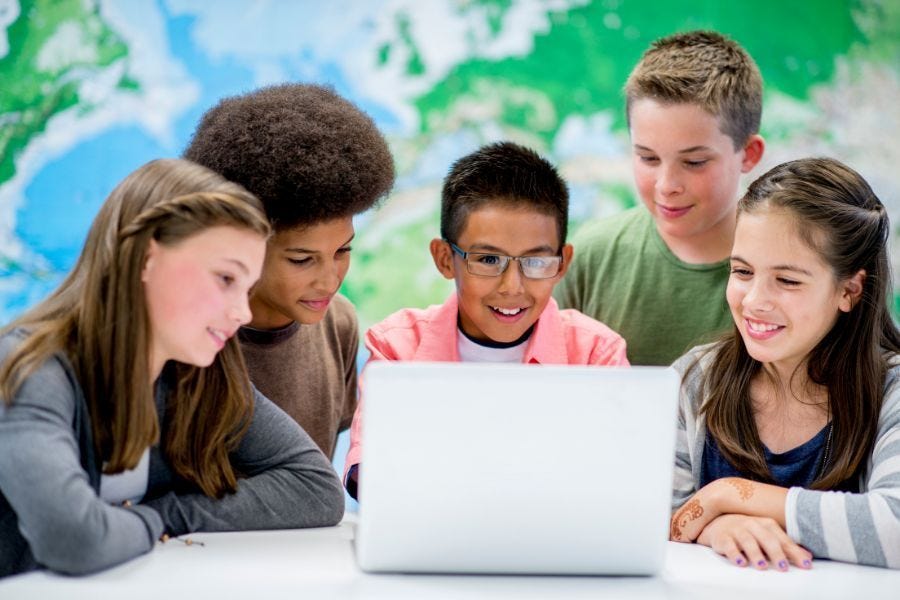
(309, 251)
(684, 151)
(786, 267)
(495, 250)
(241, 265)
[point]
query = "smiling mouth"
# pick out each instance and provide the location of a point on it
(761, 330)
(220, 336)
(507, 312)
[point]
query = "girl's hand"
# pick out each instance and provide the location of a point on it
(756, 541)
(694, 515)
(729, 495)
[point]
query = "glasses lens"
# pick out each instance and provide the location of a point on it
(487, 264)
(540, 267)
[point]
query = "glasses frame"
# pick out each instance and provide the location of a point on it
(465, 256)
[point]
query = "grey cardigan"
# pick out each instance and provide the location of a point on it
(860, 528)
(50, 511)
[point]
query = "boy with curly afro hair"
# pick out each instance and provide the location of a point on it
(314, 160)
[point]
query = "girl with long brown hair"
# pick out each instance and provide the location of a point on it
(126, 411)
(789, 428)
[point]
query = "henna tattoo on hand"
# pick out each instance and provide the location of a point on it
(691, 511)
(744, 487)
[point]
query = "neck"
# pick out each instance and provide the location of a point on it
(710, 246)
(157, 362)
(789, 384)
(265, 317)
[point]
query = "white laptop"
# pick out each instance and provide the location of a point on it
(498, 468)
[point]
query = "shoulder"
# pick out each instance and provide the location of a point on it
(692, 367)
(52, 386)
(400, 335)
(342, 314)
(405, 319)
(892, 386)
(695, 360)
(577, 324)
(609, 229)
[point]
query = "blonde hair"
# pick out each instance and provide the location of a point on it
(703, 68)
(98, 320)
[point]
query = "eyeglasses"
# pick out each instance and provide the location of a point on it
(494, 265)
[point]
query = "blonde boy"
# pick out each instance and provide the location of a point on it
(657, 273)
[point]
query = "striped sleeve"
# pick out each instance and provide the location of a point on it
(860, 528)
(687, 434)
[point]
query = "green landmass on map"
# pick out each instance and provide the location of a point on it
(579, 66)
(33, 95)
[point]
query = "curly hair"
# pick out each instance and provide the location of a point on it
(308, 154)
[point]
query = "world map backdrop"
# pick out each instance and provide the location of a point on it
(89, 91)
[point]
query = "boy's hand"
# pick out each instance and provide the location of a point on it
(759, 542)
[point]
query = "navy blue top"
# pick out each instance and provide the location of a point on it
(797, 467)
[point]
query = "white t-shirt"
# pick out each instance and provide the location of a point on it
(471, 351)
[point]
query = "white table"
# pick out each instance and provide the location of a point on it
(319, 563)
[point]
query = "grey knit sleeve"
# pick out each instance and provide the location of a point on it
(288, 483)
(64, 523)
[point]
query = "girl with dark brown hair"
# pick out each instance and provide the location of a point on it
(789, 428)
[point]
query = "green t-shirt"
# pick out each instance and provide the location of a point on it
(624, 275)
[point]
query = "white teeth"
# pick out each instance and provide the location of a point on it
(762, 327)
(507, 311)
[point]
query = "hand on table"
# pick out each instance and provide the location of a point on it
(756, 541)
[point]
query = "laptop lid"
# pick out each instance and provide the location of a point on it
(489, 468)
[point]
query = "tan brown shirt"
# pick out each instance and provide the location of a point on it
(309, 370)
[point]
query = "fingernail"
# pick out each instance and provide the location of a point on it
(782, 564)
(762, 563)
(739, 562)
(807, 563)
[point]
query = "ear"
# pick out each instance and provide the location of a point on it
(568, 251)
(149, 259)
(442, 254)
(852, 291)
(753, 152)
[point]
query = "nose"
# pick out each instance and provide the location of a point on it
(757, 296)
(511, 280)
(328, 277)
(668, 180)
(240, 310)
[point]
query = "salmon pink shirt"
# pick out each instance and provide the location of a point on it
(560, 337)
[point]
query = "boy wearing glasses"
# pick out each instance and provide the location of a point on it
(504, 213)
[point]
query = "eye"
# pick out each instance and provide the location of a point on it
(695, 164)
(489, 259)
(650, 160)
(225, 279)
(300, 261)
(344, 251)
(788, 282)
(741, 271)
(537, 262)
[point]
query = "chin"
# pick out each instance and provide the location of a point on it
(309, 318)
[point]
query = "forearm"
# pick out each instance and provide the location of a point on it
(276, 499)
(288, 483)
(730, 495)
(745, 497)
